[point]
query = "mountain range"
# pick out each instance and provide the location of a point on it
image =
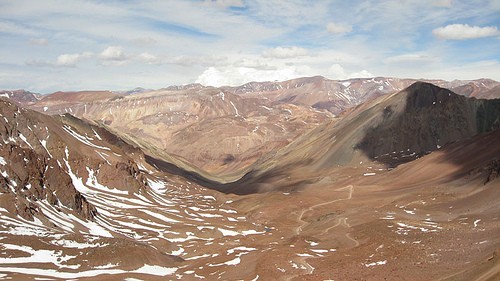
(306, 179)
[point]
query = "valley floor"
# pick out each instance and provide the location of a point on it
(347, 229)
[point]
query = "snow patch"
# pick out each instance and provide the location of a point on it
(476, 222)
(82, 139)
(376, 263)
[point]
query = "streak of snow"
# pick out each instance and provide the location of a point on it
(103, 156)
(44, 144)
(319, 251)
(25, 140)
(36, 256)
(93, 227)
(376, 263)
(82, 139)
(240, 248)
(146, 269)
(159, 216)
(227, 232)
(235, 109)
(177, 252)
(250, 232)
(77, 182)
(97, 135)
(76, 245)
(158, 186)
(233, 262)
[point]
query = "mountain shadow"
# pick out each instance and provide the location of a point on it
(431, 118)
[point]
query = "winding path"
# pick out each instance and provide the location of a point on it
(298, 230)
(343, 221)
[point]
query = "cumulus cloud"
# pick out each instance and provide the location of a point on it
(285, 52)
(361, 74)
(338, 28)
(70, 60)
(464, 31)
(234, 76)
(336, 71)
(39, 41)
(113, 53)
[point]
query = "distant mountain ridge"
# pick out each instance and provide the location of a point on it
(193, 121)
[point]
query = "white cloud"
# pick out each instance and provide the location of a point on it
(464, 31)
(338, 28)
(225, 3)
(409, 58)
(443, 3)
(39, 41)
(235, 76)
(71, 60)
(149, 58)
(254, 63)
(113, 53)
(337, 72)
(14, 28)
(285, 52)
(361, 74)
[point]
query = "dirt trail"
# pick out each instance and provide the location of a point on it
(347, 235)
(298, 230)
(303, 260)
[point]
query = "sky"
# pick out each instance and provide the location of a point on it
(68, 45)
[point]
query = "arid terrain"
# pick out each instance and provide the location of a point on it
(305, 179)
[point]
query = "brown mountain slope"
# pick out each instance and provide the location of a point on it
(214, 130)
(225, 129)
(331, 212)
(391, 130)
(337, 96)
(77, 97)
(21, 97)
(77, 202)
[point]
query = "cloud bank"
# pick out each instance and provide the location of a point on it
(464, 31)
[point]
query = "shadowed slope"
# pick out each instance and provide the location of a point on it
(391, 130)
(431, 118)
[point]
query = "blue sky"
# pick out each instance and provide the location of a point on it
(67, 45)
